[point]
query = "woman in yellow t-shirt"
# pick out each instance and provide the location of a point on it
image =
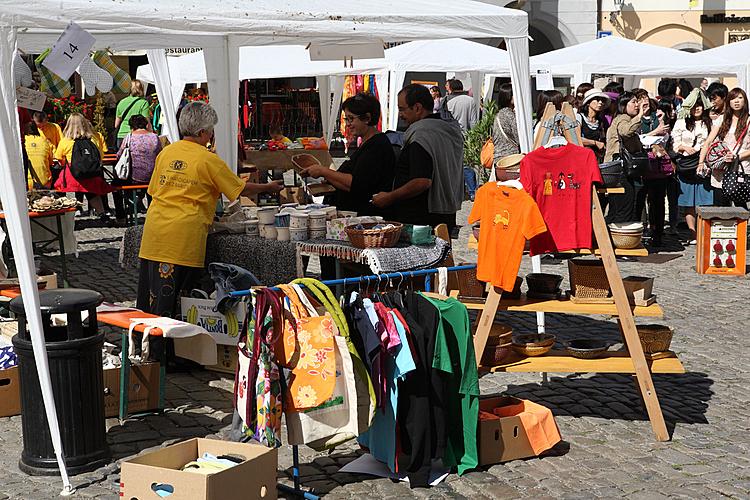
(78, 127)
(50, 130)
(185, 185)
(40, 151)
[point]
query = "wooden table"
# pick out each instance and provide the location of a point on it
(133, 189)
(58, 236)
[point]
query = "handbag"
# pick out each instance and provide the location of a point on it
(659, 167)
(635, 164)
(735, 184)
(487, 155)
(124, 166)
(718, 150)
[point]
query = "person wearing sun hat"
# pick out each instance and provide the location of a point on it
(593, 124)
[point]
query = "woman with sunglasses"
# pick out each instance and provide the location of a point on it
(370, 168)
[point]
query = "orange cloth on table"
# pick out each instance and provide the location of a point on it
(307, 347)
(537, 421)
(508, 218)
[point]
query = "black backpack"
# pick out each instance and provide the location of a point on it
(85, 161)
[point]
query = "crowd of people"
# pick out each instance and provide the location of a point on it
(675, 130)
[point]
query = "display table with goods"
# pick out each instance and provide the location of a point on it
(41, 210)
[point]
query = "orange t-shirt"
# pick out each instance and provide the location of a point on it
(508, 218)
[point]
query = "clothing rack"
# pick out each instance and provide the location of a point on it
(297, 490)
(375, 277)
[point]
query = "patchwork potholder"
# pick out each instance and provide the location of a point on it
(121, 80)
(94, 77)
(51, 84)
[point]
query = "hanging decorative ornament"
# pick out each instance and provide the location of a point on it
(730, 261)
(730, 247)
(717, 261)
(718, 247)
(94, 77)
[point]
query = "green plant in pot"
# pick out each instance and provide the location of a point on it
(475, 138)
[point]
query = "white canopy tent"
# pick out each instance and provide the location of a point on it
(619, 56)
(139, 24)
(281, 61)
(737, 53)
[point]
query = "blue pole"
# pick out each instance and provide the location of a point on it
(372, 277)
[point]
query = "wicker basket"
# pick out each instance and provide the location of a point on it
(374, 238)
(588, 279)
(495, 355)
(626, 241)
(655, 338)
(533, 345)
(468, 284)
(500, 334)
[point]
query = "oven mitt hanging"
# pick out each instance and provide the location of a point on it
(51, 84)
(94, 77)
(120, 79)
(22, 75)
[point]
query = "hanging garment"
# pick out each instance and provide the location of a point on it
(421, 409)
(454, 356)
(508, 218)
(335, 420)
(373, 348)
(570, 171)
(380, 439)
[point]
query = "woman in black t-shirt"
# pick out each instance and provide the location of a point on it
(370, 168)
(593, 125)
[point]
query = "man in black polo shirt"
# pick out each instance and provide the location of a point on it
(428, 187)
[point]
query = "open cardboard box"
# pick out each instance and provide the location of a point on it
(253, 478)
(10, 395)
(503, 439)
(226, 356)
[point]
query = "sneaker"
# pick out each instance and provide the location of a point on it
(693, 242)
(673, 231)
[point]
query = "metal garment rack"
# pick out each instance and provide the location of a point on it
(297, 490)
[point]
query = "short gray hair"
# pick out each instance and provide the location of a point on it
(197, 116)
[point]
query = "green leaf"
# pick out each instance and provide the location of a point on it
(475, 138)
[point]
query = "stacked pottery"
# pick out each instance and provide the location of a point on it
(298, 226)
(266, 220)
(317, 224)
(251, 227)
(282, 226)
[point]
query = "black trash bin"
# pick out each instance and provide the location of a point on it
(74, 352)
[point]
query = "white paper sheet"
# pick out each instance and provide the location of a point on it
(367, 464)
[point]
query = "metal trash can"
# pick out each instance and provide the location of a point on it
(74, 351)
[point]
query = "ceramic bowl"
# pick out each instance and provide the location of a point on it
(298, 234)
(266, 214)
(586, 348)
(533, 345)
(543, 282)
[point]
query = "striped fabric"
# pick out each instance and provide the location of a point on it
(120, 77)
(51, 84)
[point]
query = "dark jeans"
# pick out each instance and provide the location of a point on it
(470, 181)
(673, 193)
(720, 200)
(656, 190)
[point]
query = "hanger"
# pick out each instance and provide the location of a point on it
(555, 141)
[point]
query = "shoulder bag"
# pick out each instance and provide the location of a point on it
(735, 181)
(717, 151)
(635, 164)
(124, 167)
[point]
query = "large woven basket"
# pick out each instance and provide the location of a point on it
(588, 279)
(655, 338)
(626, 241)
(374, 238)
(468, 284)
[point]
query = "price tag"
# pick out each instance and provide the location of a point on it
(544, 80)
(73, 45)
(30, 99)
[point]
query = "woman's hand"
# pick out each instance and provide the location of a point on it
(661, 129)
(729, 157)
(644, 107)
(314, 171)
(599, 145)
(688, 150)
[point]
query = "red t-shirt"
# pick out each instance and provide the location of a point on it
(560, 181)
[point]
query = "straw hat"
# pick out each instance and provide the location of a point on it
(511, 163)
(596, 93)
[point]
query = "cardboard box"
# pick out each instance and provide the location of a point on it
(503, 439)
(143, 389)
(225, 330)
(227, 360)
(253, 478)
(10, 395)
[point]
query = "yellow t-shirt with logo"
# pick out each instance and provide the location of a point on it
(185, 186)
(52, 132)
(39, 150)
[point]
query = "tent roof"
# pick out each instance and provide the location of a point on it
(736, 51)
(451, 54)
(138, 24)
(274, 61)
(621, 56)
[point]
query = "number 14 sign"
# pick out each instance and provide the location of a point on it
(73, 45)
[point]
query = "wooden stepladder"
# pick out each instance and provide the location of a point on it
(622, 309)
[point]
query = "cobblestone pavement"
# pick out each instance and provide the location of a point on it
(609, 450)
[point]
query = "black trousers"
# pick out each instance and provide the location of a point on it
(656, 191)
(719, 199)
(622, 206)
